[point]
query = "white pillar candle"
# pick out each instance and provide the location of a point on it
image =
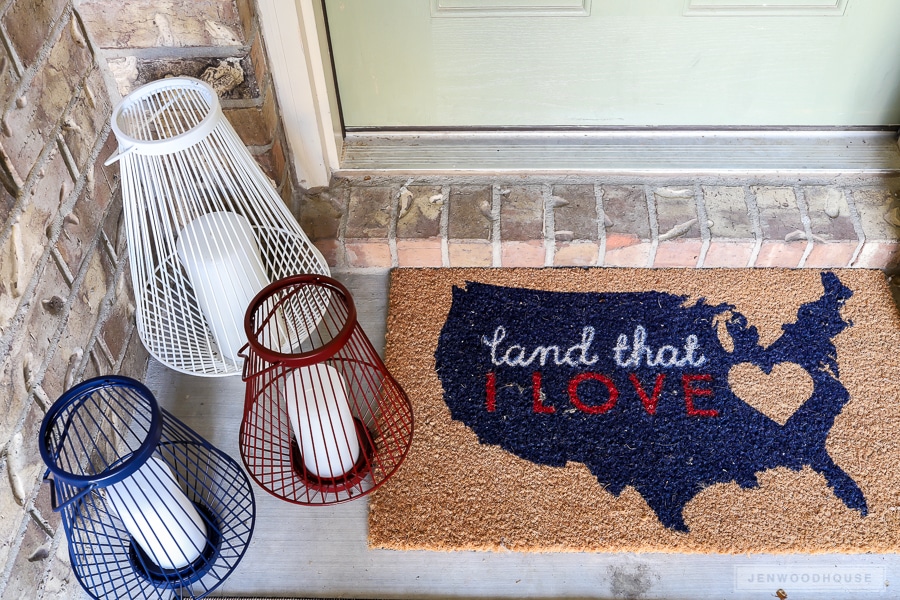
(320, 416)
(158, 515)
(222, 260)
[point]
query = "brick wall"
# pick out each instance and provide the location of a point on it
(145, 40)
(66, 309)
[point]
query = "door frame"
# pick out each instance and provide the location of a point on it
(300, 63)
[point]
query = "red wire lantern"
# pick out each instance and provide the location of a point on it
(324, 421)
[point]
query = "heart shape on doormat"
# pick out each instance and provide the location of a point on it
(778, 394)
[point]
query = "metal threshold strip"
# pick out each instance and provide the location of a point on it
(641, 152)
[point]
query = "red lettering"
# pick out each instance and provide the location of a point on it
(596, 409)
(491, 392)
(536, 395)
(690, 392)
(648, 402)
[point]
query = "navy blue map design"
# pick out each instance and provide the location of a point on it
(635, 387)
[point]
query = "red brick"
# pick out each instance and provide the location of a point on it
(332, 251)
(522, 254)
(469, 212)
(136, 358)
(368, 254)
(728, 254)
(369, 213)
(678, 253)
(48, 94)
(578, 214)
(251, 124)
(120, 318)
(135, 24)
(472, 253)
(30, 562)
(626, 207)
(821, 201)
(674, 211)
(576, 254)
(45, 312)
(879, 255)
(626, 251)
(422, 218)
(320, 214)
(419, 253)
(79, 231)
(779, 215)
(831, 254)
(86, 120)
(259, 61)
(780, 254)
(28, 23)
(522, 214)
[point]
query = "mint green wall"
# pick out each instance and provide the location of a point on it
(630, 63)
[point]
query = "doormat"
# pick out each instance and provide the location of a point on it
(645, 410)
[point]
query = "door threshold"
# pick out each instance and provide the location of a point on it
(642, 152)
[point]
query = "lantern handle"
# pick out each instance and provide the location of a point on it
(118, 155)
(53, 502)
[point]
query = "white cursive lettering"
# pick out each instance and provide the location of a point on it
(665, 357)
(515, 355)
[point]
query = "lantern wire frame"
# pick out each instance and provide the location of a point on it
(305, 348)
(102, 432)
(180, 162)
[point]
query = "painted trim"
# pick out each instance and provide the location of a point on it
(301, 74)
(764, 8)
(510, 8)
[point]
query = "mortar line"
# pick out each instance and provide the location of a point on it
(703, 220)
(341, 258)
(103, 311)
(800, 196)
(445, 225)
(753, 213)
(27, 76)
(496, 257)
(650, 197)
(392, 223)
(601, 225)
(549, 225)
(856, 219)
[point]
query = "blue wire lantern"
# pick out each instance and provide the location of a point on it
(150, 509)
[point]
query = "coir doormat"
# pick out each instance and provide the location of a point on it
(715, 411)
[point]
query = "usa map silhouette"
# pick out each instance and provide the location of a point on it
(635, 387)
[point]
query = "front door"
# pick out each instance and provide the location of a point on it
(616, 63)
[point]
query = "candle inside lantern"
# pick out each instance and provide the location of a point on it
(222, 260)
(320, 416)
(159, 516)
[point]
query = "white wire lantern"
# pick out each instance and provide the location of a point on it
(206, 228)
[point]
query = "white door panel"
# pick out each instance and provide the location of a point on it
(694, 63)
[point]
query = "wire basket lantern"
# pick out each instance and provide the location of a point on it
(324, 421)
(206, 228)
(150, 509)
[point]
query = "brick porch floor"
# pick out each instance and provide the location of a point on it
(565, 221)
